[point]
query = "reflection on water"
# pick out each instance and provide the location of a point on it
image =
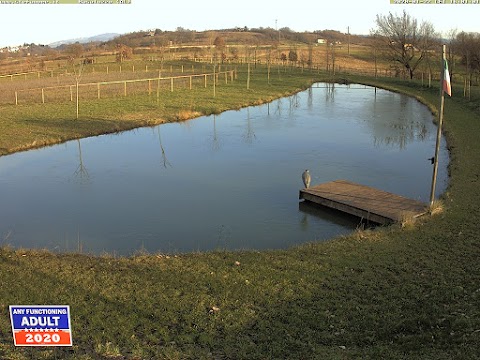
(219, 182)
(312, 211)
(249, 134)
(391, 122)
(81, 173)
(165, 161)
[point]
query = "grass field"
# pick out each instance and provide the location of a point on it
(392, 293)
(35, 124)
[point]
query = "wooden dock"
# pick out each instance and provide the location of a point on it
(365, 202)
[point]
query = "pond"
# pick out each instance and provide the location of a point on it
(219, 182)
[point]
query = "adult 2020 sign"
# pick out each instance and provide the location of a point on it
(41, 325)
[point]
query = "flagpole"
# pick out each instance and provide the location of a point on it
(439, 130)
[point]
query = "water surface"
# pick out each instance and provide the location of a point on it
(219, 182)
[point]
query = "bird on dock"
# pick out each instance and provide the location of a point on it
(306, 178)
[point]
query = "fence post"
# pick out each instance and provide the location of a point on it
(98, 90)
(149, 88)
(16, 98)
(158, 90)
(171, 84)
(71, 93)
(77, 98)
(120, 68)
(226, 78)
(133, 68)
(205, 80)
(107, 69)
(43, 96)
(190, 82)
(125, 88)
(214, 81)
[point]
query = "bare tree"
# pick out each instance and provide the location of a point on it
(219, 44)
(123, 53)
(75, 52)
(404, 40)
(467, 46)
(293, 56)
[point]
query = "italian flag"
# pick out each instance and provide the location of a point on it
(446, 79)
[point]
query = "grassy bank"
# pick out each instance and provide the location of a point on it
(33, 125)
(411, 293)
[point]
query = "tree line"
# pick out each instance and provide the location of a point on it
(408, 44)
(404, 41)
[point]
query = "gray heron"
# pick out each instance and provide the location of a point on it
(306, 178)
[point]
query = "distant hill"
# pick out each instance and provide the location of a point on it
(96, 38)
(237, 36)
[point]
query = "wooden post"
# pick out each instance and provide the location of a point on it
(190, 82)
(158, 90)
(133, 68)
(205, 80)
(125, 88)
(146, 68)
(43, 96)
(214, 81)
(71, 93)
(248, 76)
(16, 98)
(182, 69)
(77, 100)
(149, 88)
(120, 68)
(268, 72)
(107, 69)
(38, 74)
(98, 90)
(171, 84)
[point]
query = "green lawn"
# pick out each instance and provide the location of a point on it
(393, 293)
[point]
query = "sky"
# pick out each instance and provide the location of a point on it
(44, 24)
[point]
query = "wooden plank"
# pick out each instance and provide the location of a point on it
(363, 201)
